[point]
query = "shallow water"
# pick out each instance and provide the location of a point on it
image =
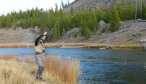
(99, 66)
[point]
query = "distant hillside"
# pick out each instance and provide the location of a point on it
(84, 23)
(79, 5)
(130, 32)
(18, 35)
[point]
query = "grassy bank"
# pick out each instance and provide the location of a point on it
(84, 45)
(13, 71)
(114, 46)
(30, 45)
(16, 45)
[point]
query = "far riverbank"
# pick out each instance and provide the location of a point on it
(72, 45)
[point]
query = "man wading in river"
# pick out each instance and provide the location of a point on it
(40, 54)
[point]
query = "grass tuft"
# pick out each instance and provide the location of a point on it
(66, 70)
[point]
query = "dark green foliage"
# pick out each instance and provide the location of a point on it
(126, 10)
(114, 19)
(86, 32)
(122, 10)
(130, 11)
(87, 18)
(56, 31)
(143, 10)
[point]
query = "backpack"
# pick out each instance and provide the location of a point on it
(38, 35)
(39, 49)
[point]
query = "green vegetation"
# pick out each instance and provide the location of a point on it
(60, 22)
(115, 19)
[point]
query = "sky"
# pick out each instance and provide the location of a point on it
(7, 6)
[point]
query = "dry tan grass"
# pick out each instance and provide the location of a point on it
(8, 57)
(15, 72)
(84, 45)
(56, 71)
(113, 46)
(53, 45)
(73, 44)
(16, 45)
(67, 70)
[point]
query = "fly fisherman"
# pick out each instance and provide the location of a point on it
(40, 54)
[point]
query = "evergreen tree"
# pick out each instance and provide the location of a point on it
(86, 32)
(143, 10)
(130, 11)
(115, 19)
(94, 22)
(122, 10)
(138, 9)
(56, 31)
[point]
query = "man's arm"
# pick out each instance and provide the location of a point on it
(37, 39)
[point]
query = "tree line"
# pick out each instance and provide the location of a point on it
(60, 22)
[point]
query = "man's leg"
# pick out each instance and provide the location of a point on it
(40, 62)
(39, 72)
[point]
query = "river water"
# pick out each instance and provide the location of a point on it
(99, 66)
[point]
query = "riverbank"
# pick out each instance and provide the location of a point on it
(17, 72)
(73, 45)
(14, 72)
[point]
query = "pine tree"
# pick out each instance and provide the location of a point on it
(131, 11)
(94, 22)
(139, 9)
(115, 19)
(143, 10)
(56, 31)
(86, 32)
(121, 10)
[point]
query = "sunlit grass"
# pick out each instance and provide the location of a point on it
(56, 71)
(66, 70)
(15, 72)
(16, 45)
(83, 45)
(113, 46)
(8, 57)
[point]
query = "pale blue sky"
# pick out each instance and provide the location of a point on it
(7, 6)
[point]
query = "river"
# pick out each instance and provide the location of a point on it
(99, 66)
